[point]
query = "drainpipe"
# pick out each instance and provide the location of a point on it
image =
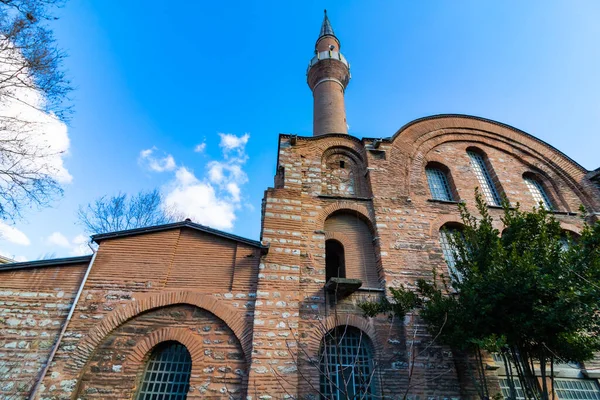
(64, 328)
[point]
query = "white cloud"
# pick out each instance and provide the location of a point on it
(156, 164)
(200, 201)
(13, 235)
(58, 239)
(200, 147)
(231, 142)
(214, 198)
(77, 246)
(27, 127)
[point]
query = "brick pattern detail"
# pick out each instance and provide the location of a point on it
(34, 304)
(253, 324)
(359, 253)
(117, 364)
(119, 316)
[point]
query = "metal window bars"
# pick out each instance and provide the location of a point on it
(448, 249)
(538, 193)
(438, 184)
(488, 188)
(346, 366)
(167, 374)
(577, 389)
(565, 389)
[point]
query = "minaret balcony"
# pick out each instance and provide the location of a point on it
(329, 55)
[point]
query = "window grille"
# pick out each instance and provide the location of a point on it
(167, 374)
(538, 193)
(448, 248)
(505, 388)
(576, 389)
(347, 365)
(438, 184)
(485, 180)
(568, 389)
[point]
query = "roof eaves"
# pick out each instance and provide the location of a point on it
(55, 262)
(175, 225)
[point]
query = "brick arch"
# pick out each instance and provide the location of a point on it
(420, 136)
(315, 336)
(571, 228)
(350, 152)
(325, 142)
(229, 316)
(442, 220)
(140, 351)
(364, 212)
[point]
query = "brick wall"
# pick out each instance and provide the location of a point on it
(34, 304)
(193, 282)
(302, 213)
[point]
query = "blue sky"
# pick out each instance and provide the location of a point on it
(231, 75)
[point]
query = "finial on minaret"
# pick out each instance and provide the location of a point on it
(328, 75)
(326, 28)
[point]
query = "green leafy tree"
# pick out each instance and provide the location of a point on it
(531, 294)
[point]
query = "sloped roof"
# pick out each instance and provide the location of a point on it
(45, 263)
(177, 225)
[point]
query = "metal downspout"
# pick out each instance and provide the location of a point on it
(63, 330)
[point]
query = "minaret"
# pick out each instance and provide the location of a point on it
(328, 75)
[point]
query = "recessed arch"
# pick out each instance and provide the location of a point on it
(419, 137)
(335, 259)
(343, 173)
(228, 315)
(366, 325)
(360, 210)
(183, 336)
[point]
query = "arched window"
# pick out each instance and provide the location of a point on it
(346, 365)
(447, 234)
(439, 186)
(335, 266)
(167, 373)
(486, 183)
(538, 192)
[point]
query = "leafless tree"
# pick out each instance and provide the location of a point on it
(34, 103)
(120, 212)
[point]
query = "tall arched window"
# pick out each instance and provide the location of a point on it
(447, 234)
(439, 186)
(538, 192)
(335, 264)
(347, 367)
(167, 373)
(486, 183)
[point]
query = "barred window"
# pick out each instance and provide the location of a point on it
(438, 184)
(577, 389)
(486, 183)
(538, 193)
(347, 369)
(448, 249)
(167, 374)
(505, 388)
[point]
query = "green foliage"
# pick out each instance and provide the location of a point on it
(402, 301)
(531, 293)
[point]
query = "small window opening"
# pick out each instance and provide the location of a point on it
(342, 164)
(334, 260)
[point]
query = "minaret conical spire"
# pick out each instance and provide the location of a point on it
(326, 28)
(328, 75)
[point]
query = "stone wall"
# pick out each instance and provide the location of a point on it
(34, 303)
